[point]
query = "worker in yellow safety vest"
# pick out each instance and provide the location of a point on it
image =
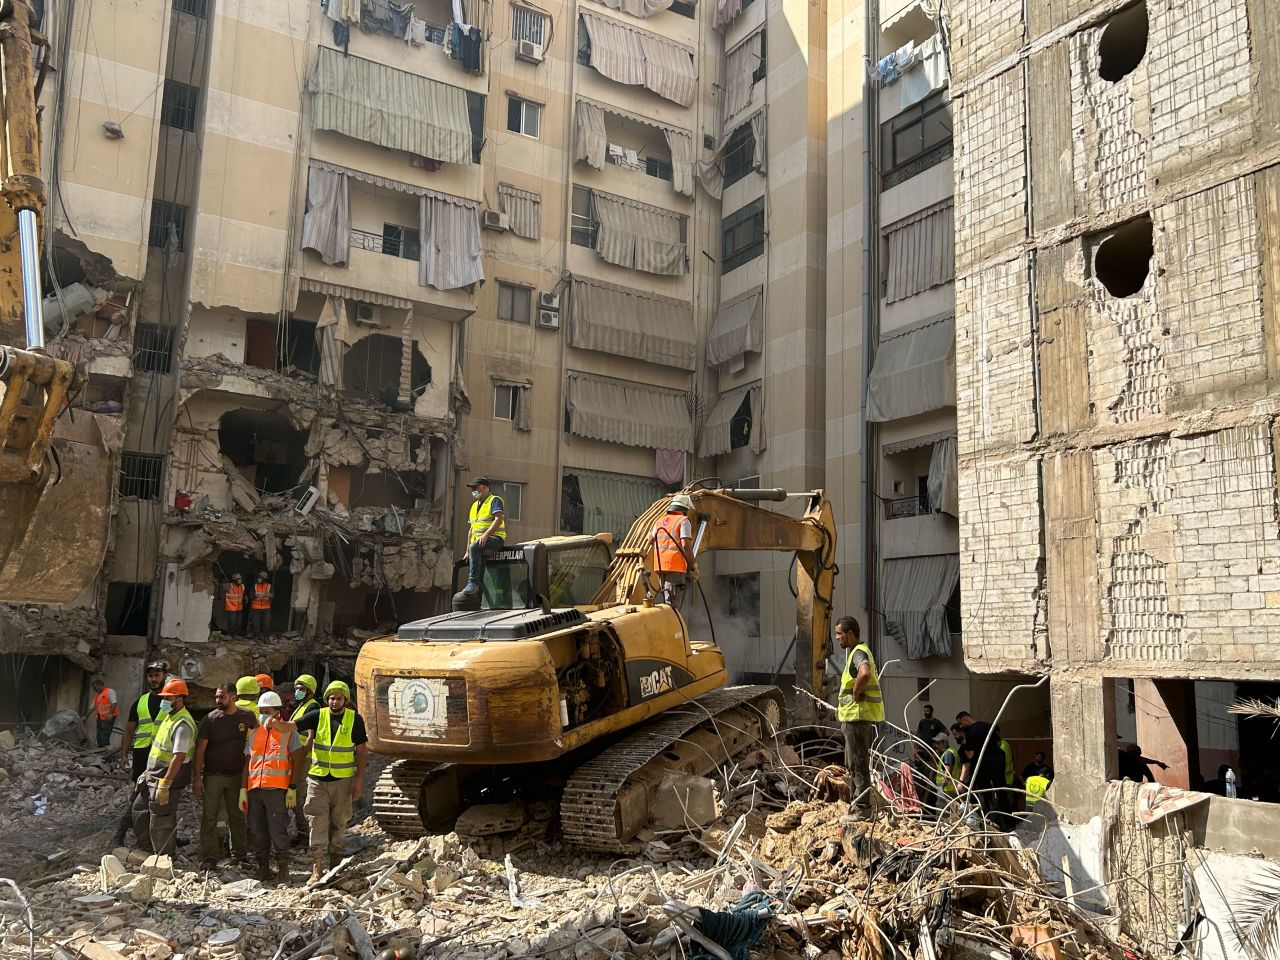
(488, 532)
(267, 791)
(673, 549)
(304, 702)
(338, 755)
(859, 709)
(947, 774)
(139, 731)
(1037, 787)
(104, 708)
(155, 803)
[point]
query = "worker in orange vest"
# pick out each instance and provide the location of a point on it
(267, 791)
(233, 604)
(105, 707)
(260, 606)
(673, 549)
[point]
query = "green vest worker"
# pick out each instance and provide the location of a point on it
(155, 805)
(305, 702)
(338, 754)
(488, 532)
(247, 691)
(1037, 787)
(135, 745)
(859, 708)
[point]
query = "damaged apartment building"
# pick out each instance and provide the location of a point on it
(1116, 322)
(324, 261)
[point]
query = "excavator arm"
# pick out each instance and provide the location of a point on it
(730, 520)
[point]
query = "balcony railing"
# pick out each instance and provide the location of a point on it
(389, 246)
(650, 166)
(905, 507)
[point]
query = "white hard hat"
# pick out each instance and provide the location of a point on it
(682, 500)
(270, 698)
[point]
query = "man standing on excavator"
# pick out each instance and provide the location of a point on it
(673, 549)
(488, 532)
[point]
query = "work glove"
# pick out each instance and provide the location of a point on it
(291, 798)
(162, 791)
(244, 800)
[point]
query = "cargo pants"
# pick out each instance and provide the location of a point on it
(268, 824)
(222, 799)
(156, 824)
(328, 809)
(858, 735)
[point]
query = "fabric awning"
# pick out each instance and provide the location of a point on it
(738, 330)
(388, 184)
(640, 58)
(914, 372)
(740, 65)
(378, 104)
(633, 414)
(915, 593)
(638, 8)
(612, 502)
(523, 209)
(639, 236)
(589, 138)
(326, 226)
(944, 490)
(681, 146)
(922, 250)
(450, 250)
(915, 443)
(311, 285)
(631, 323)
(717, 434)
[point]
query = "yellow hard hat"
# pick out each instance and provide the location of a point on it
(247, 685)
(337, 687)
(308, 681)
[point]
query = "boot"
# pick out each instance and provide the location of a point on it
(282, 871)
(317, 867)
(264, 869)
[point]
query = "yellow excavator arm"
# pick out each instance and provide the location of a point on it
(729, 520)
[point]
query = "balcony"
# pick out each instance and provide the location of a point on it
(905, 507)
(423, 51)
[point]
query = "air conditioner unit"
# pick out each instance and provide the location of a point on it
(547, 300)
(549, 319)
(366, 313)
(529, 52)
(495, 220)
(307, 501)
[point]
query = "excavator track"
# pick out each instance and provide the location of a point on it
(399, 794)
(590, 808)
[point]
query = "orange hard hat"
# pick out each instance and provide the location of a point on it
(175, 688)
(265, 681)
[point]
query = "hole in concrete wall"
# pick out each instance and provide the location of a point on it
(1123, 43)
(371, 369)
(230, 563)
(267, 448)
(1122, 261)
(263, 346)
(128, 607)
(389, 489)
(34, 687)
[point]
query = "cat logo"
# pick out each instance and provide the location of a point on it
(655, 683)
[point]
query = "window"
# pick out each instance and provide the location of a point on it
(152, 347)
(506, 401)
(657, 167)
(743, 235)
(512, 495)
(740, 424)
(197, 8)
(528, 25)
(513, 302)
(398, 241)
(168, 224)
(584, 224)
(523, 117)
(584, 44)
(140, 475)
(747, 483)
(917, 133)
(178, 110)
(739, 154)
(759, 72)
(475, 113)
(682, 8)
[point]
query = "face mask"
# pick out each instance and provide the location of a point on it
(166, 706)
(300, 693)
(264, 717)
(475, 494)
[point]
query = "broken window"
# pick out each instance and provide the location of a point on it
(1123, 43)
(372, 369)
(403, 242)
(740, 425)
(571, 511)
(266, 448)
(152, 347)
(281, 580)
(140, 475)
(1122, 258)
(739, 154)
(262, 346)
(506, 400)
(128, 608)
(389, 488)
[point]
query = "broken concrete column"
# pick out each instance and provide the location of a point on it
(1084, 752)
(406, 359)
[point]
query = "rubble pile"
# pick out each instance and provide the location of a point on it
(774, 874)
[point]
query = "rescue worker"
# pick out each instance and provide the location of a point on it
(215, 776)
(265, 681)
(247, 691)
(860, 708)
(1037, 785)
(338, 755)
(139, 731)
(233, 605)
(488, 532)
(305, 702)
(267, 793)
(949, 767)
(155, 805)
(260, 606)
(673, 549)
(104, 708)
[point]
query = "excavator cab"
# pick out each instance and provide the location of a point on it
(55, 469)
(562, 571)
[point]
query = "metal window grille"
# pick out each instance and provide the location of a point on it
(197, 8)
(657, 167)
(140, 475)
(178, 109)
(528, 25)
(739, 154)
(152, 347)
(168, 224)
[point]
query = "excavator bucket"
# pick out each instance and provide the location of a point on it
(55, 483)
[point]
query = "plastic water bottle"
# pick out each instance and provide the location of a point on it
(1230, 780)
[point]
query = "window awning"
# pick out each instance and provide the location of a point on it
(640, 58)
(392, 108)
(638, 8)
(944, 488)
(639, 236)
(589, 137)
(740, 65)
(717, 434)
(914, 372)
(612, 501)
(916, 591)
(738, 330)
(388, 184)
(311, 285)
(915, 443)
(922, 249)
(630, 323)
(524, 208)
(632, 414)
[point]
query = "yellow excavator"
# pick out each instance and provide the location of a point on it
(55, 467)
(570, 674)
